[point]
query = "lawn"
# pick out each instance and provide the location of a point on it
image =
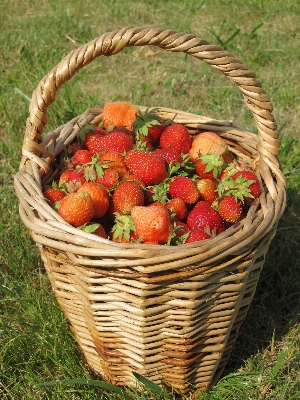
(36, 344)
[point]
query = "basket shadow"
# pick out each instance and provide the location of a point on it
(275, 306)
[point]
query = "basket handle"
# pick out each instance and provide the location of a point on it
(113, 42)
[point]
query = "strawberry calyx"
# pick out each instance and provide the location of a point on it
(123, 227)
(211, 162)
(238, 188)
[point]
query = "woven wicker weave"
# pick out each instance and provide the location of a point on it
(169, 313)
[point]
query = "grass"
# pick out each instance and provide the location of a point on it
(35, 342)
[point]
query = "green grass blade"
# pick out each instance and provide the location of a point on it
(89, 382)
(150, 385)
(278, 364)
(295, 396)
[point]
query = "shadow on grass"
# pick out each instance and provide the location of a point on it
(276, 303)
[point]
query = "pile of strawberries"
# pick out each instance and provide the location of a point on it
(138, 178)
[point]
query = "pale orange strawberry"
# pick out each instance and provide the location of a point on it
(119, 113)
(207, 189)
(99, 196)
(77, 208)
(152, 223)
(206, 143)
(127, 195)
(184, 188)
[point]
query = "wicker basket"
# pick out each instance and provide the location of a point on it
(169, 313)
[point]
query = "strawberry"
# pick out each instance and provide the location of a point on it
(180, 228)
(204, 215)
(169, 156)
(109, 178)
(123, 230)
(178, 207)
(184, 188)
(115, 160)
(127, 195)
(148, 167)
(95, 228)
(117, 141)
(54, 195)
(230, 209)
(94, 142)
(119, 113)
(197, 234)
(99, 196)
(148, 127)
(207, 189)
(254, 187)
(243, 185)
(72, 179)
(210, 166)
(82, 157)
(176, 137)
(77, 208)
(152, 223)
(207, 142)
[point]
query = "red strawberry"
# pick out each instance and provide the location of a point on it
(178, 207)
(148, 127)
(205, 143)
(184, 188)
(152, 223)
(99, 196)
(127, 195)
(77, 208)
(180, 228)
(176, 137)
(54, 195)
(109, 179)
(207, 189)
(230, 209)
(169, 156)
(82, 157)
(117, 141)
(95, 228)
(94, 142)
(72, 179)
(115, 160)
(243, 185)
(148, 167)
(197, 234)
(202, 215)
